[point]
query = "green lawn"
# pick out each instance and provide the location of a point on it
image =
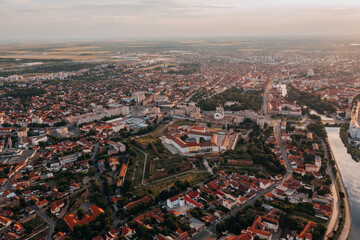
(156, 187)
(138, 166)
(159, 131)
(183, 122)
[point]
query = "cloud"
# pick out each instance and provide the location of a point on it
(136, 18)
(18, 2)
(342, 11)
(111, 19)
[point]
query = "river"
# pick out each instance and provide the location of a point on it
(350, 172)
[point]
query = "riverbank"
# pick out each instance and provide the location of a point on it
(351, 148)
(344, 225)
(335, 213)
(345, 221)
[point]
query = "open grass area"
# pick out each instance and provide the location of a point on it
(135, 171)
(159, 131)
(197, 178)
(152, 67)
(73, 51)
(183, 122)
(155, 187)
(145, 140)
(34, 224)
(168, 163)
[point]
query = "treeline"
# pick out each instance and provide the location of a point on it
(261, 152)
(49, 68)
(318, 128)
(312, 101)
(245, 100)
(199, 94)
(89, 230)
(29, 60)
(25, 94)
(187, 68)
(289, 222)
(355, 100)
(235, 224)
(263, 156)
(177, 188)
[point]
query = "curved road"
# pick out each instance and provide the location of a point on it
(333, 221)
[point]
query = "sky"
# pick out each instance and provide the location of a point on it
(142, 19)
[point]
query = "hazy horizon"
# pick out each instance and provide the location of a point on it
(28, 20)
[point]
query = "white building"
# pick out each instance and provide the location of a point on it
(69, 158)
(139, 97)
(37, 139)
(175, 201)
(219, 114)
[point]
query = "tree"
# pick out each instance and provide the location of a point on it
(171, 224)
(80, 213)
(221, 227)
(184, 137)
(22, 202)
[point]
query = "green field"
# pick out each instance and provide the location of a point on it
(183, 123)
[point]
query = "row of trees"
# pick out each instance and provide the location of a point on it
(318, 128)
(244, 100)
(49, 68)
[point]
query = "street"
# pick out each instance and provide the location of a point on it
(210, 231)
(334, 218)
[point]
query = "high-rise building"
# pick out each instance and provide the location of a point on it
(139, 97)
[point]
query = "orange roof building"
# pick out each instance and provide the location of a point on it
(71, 220)
(122, 174)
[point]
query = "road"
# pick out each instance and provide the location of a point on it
(206, 164)
(335, 194)
(193, 91)
(144, 170)
(210, 231)
(7, 185)
(97, 173)
(282, 147)
(348, 219)
(116, 221)
(48, 220)
(40, 212)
